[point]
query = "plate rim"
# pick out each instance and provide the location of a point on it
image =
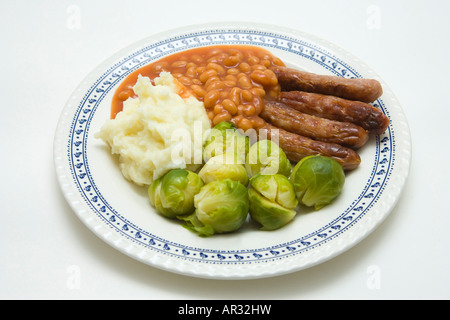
(209, 271)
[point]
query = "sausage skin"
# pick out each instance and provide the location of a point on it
(317, 128)
(365, 90)
(297, 147)
(334, 108)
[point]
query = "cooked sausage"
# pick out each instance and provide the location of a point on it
(334, 108)
(317, 128)
(297, 147)
(365, 90)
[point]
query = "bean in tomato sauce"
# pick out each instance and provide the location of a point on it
(231, 81)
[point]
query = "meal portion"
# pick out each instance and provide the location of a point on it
(268, 137)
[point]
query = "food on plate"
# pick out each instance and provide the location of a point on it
(224, 166)
(266, 157)
(297, 147)
(317, 181)
(173, 194)
(360, 113)
(144, 134)
(225, 138)
(244, 119)
(314, 127)
(272, 201)
(221, 206)
(365, 90)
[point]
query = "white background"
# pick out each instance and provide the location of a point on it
(48, 47)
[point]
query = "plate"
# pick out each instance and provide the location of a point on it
(120, 214)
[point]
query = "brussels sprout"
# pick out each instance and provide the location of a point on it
(224, 125)
(225, 138)
(266, 157)
(221, 206)
(272, 200)
(317, 180)
(173, 194)
(153, 194)
(224, 166)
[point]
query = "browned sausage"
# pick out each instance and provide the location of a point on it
(317, 128)
(334, 108)
(297, 147)
(365, 90)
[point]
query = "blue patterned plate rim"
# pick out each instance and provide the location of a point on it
(384, 181)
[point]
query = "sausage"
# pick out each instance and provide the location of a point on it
(365, 90)
(334, 108)
(317, 128)
(297, 147)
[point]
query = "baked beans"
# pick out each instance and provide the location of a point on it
(231, 81)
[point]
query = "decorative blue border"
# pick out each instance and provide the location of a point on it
(78, 159)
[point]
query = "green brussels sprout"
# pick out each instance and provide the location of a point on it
(224, 166)
(153, 194)
(272, 200)
(317, 180)
(266, 157)
(221, 206)
(173, 194)
(225, 138)
(224, 125)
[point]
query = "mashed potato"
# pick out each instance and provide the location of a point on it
(157, 131)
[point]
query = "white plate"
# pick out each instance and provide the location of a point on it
(120, 214)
